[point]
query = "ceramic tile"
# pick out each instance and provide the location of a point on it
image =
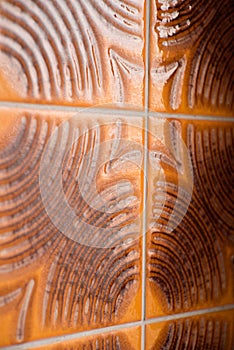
(70, 223)
(190, 250)
(209, 331)
(129, 338)
(72, 51)
(191, 66)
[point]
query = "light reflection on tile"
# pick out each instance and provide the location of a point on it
(57, 275)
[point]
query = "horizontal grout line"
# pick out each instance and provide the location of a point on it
(119, 327)
(112, 111)
(73, 336)
(190, 314)
(191, 117)
(91, 109)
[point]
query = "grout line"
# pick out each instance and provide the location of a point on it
(228, 307)
(191, 117)
(119, 327)
(118, 110)
(147, 56)
(68, 337)
(144, 228)
(145, 192)
(114, 110)
(144, 231)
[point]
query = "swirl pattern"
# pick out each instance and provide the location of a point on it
(191, 265)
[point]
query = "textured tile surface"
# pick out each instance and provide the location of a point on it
(129, 339)
(190, 218)
(70, 204)
(191, 65)
(209, 331)
(72, 185)
(72, 52)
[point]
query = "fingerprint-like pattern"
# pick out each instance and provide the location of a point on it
(25, 229)
(84, 285)
(205, 30)
(188, 266)
(201, 333)
(212, 155)
(60, 56)
(56, 44)
(212, 71)
(88, 286)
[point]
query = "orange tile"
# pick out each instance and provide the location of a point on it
(191, 65)
(72, 52)
(129, 339)
(190, 248)
(209, 331)
(70, 222)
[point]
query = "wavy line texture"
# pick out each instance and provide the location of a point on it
(188, 266)
(85, 285)
(202, 333)
(212, 70)
(56, 45)
(206, 28)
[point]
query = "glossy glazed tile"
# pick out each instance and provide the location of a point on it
(190, 248)
(127, 339)
(209, 331)
(191, 65)
(70, 224)
(81, 52)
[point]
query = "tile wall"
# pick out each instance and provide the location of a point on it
(116, 174)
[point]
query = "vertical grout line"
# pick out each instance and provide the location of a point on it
(147, 56)
(144, 226)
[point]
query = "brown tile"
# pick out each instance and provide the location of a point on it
(190, 216)
(191, 65)
(72, 52)
(209, 331)
(70, 226)
(129, 339)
